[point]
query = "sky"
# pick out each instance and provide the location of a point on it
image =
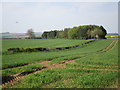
(18, 17)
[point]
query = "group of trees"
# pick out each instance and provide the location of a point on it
(80, 32)
(51, 34)
(56, 34)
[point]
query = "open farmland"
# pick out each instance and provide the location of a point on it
(92, 65)
(35, 43)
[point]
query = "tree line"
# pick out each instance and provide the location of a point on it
(80, 32)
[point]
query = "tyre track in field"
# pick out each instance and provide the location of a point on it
(15, 66)
(109, 47)
(19, 76)
(9, 67)
(48, 59)
(113, 45)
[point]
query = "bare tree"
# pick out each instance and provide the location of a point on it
(30, 33)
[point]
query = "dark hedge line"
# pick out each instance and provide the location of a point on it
(44, 49)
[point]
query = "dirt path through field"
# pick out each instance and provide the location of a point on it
(113, 45)
(46, 61)
(109, 47)
(19, 76)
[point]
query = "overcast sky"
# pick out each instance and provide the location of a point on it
(45, 16)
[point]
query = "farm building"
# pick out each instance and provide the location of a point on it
(112, 35)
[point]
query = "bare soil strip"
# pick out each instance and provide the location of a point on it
(46, 61)
(17, 77)
(15, 66)
(41, 62)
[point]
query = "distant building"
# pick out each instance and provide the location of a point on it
(112, 35)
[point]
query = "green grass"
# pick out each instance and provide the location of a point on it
(96, 80)
(35, 43)
(37, 80)
(13, 71)
(68, 78)
(107, 58)
(64, 58)
(91, 66)
(88, 70)
(23, 58)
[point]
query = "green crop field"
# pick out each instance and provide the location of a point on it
(91, 65)
(35, 43)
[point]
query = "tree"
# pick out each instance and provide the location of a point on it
(45, 35)
(92, 34)
(89, 33)
(30, 33)
(52, 34)
(73, 33)
(49, 35)
(82, 32)
(98, 33)
(65, 32)
(104, 32)
(59, 34)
